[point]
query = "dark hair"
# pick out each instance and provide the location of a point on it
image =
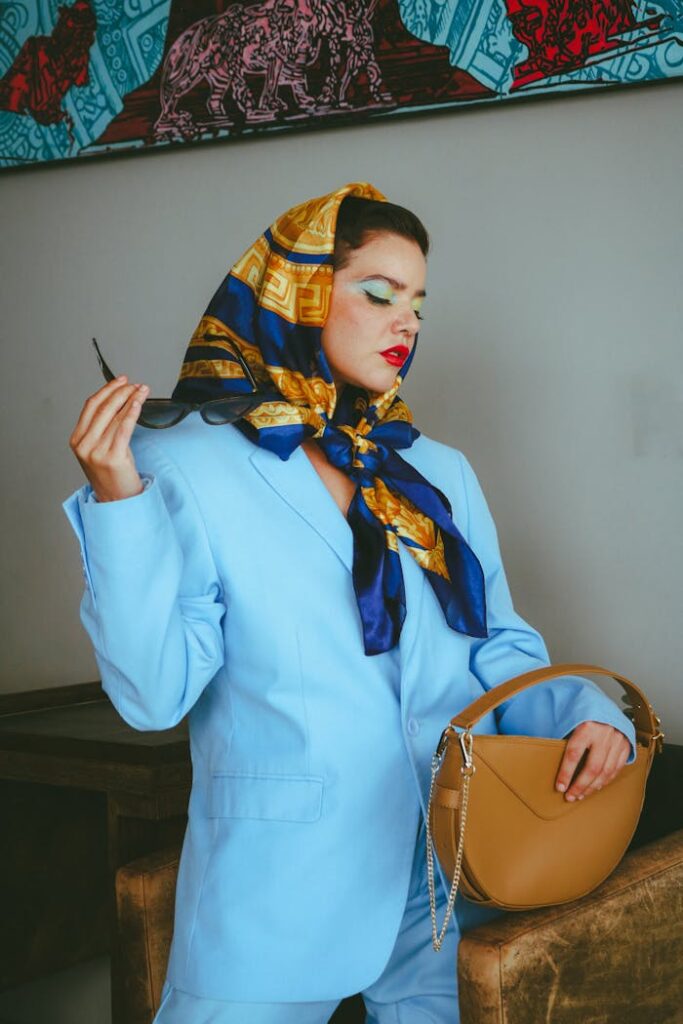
(357, 217)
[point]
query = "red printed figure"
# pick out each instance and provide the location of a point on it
(563, 35)
(47, 66)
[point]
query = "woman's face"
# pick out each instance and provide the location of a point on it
(375, 311)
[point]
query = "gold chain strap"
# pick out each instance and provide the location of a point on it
(468, 769)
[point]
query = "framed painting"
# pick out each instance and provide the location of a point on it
(104, 76)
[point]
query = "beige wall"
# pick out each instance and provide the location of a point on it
(551, 354)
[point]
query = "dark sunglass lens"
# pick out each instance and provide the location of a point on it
(157, 413)
(227, 410)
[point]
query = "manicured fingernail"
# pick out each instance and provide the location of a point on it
(121, 376)
(582, 796)
(571, 798)
(561, 786)
(143, 387)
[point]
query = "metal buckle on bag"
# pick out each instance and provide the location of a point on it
(443, 742)
(466, 742)
(465, 739)
(630, 713)
(658, 736)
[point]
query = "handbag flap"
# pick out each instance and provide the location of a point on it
(528, 767)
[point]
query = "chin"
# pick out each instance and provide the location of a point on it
(378, 382)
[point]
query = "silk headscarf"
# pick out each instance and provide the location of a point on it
(273, 305)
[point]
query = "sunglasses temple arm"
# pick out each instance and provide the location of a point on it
(109, 376)
(106, 372)
(240, 359)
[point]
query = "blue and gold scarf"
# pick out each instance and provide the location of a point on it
(273, 305)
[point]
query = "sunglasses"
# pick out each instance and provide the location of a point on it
(158, 413)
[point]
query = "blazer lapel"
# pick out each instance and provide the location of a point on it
(297, 482)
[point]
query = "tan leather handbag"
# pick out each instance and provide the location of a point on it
(502, 832)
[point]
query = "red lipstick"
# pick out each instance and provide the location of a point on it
(396, 355)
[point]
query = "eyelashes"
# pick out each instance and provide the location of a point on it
(387, 297)
(387, 302)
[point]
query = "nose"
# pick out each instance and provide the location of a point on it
(407, 321)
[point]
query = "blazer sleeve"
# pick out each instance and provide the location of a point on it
(153, 604)
(513, 646)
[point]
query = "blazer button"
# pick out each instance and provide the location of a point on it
(413, 726)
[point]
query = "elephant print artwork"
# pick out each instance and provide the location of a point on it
(276, 43)
(92, 76)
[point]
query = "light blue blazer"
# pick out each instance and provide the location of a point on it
(224, 590)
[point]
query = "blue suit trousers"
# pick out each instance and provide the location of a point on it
(416, 986)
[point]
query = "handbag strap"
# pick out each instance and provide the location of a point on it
(646, 722)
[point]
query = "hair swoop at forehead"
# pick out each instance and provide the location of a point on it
(358, 218)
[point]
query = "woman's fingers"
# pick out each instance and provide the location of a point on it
(91, 406)
(110, 464)
(616, 759)
(124, 422)
(100, 440)
(608, 751)
(103, 415)
(572, 755)
(589, 774)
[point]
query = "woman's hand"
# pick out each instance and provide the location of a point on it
(608, 751)
(100, 439)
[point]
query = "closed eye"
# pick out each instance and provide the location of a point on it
(377, 300)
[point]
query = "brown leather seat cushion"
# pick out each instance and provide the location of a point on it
(613, 957)
(145, 897)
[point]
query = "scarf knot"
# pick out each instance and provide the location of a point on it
(353, 452)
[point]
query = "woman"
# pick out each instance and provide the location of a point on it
(321, 605)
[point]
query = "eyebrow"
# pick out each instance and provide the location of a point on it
(398, 285)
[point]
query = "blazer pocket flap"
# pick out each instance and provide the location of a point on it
(271, 797)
